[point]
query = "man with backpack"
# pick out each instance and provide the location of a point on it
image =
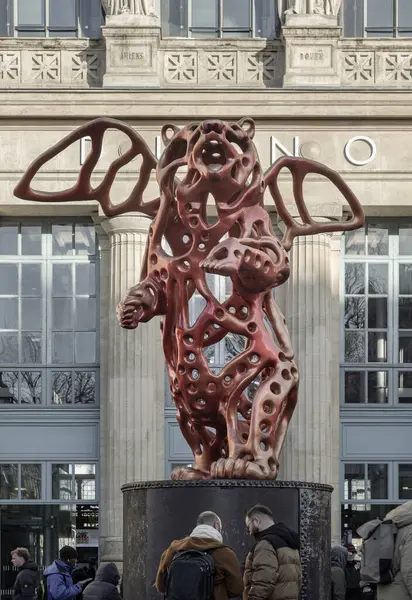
(57, 582)
(200, 567)
(387, 554)
(27, 577)
(273, 570)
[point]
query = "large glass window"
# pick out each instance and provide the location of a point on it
(74, 482)
(378, 18)
(51, 18)
(44, 529)
(48, 314)
(377, 315)
(370, 490)
(219, 18)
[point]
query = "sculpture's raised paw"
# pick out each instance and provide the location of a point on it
(142, 302)
(188, 474)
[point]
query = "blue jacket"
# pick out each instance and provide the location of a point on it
(60, 584)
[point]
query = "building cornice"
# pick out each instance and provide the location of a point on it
(166, 105)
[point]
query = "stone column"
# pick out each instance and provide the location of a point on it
(132, 409)
(311, 450)
(335, 404)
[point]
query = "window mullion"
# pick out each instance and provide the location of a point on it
(220, 17)
(395, 17)
(189, 18)
(19, 481)
(15, 17)
(47, 16)
(79, 31)
(252, 12)
(19, 318)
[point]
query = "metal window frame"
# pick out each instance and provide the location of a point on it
(77, 30)
(220, 30)
(392, 365)
(390, 486)
(47, 260)
(47, 482)
(395, 29)
(73, 499)
(397, 482)
(19, 499)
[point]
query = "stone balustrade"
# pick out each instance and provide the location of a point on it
(211, 63)
(52, 62)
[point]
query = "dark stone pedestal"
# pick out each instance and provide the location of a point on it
(158, 512)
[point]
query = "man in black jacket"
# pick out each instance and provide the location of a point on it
(28, 576)
(104, 587)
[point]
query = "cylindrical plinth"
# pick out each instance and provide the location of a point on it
(158, 512)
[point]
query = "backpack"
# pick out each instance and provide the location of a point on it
(379, 539)
(41, 590)
(191, 576)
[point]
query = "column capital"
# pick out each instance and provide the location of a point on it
(128, 223)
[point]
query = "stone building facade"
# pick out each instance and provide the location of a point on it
(85, 405)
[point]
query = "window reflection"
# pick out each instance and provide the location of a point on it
(9, 481)
(405, 481)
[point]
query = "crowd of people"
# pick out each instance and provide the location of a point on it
(201, 567)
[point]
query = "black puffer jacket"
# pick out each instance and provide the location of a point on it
(26, 582)
(104, 587)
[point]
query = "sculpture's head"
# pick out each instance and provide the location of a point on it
(220, 158)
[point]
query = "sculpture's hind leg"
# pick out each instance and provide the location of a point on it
(205, 445)
(272, 409)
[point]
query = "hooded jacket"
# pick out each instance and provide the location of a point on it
(228, 578)
(273, 570)
(60, 583)
(401, 587)
(339, 558)
(104, 587)
(26, 581)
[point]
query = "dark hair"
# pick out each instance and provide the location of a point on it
(207, 518)
(259, 509)
(67, 553)
(22, 552)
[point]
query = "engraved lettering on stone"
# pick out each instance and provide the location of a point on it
(359, 67)
(308, 7)
(135, 7)
(131, 56)
(311, 56)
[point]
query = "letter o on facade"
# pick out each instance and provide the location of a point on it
(368, 142)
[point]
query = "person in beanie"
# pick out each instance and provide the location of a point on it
(59, 577)
(104, 587)
(28, 576)
(338, 558)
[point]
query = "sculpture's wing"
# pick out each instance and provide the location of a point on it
(299, 168)
(83, 189)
